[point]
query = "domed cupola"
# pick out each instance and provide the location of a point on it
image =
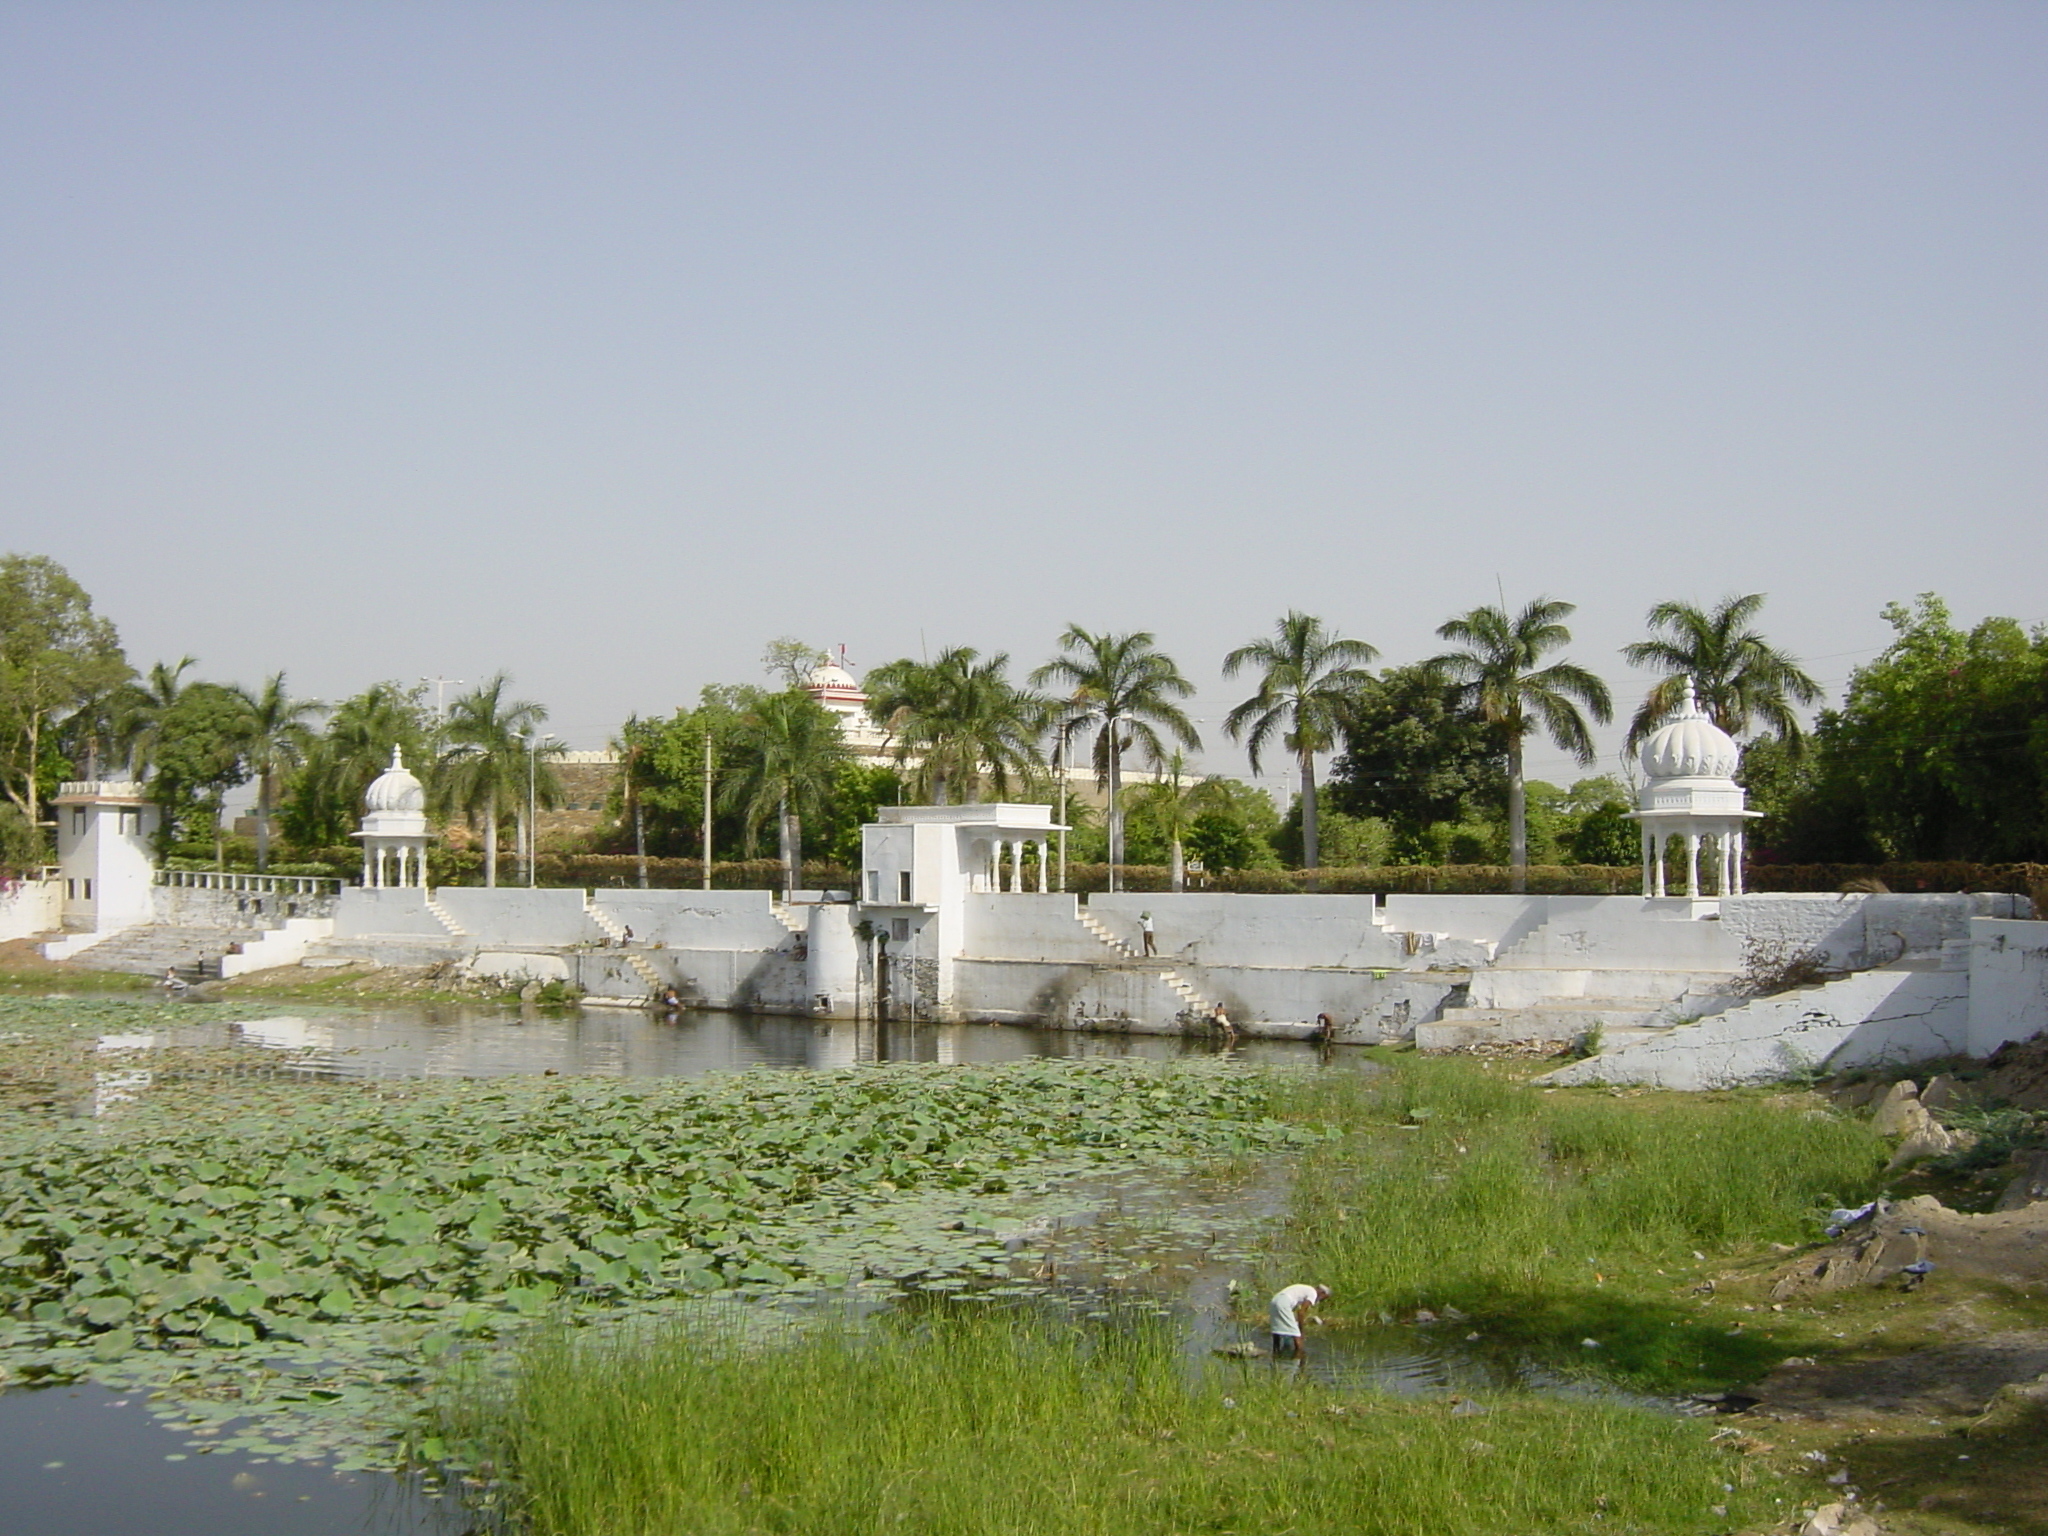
(1690, 797)
(1690, 746)
(394, 831)
(395, 789)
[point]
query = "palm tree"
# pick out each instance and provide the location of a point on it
(141, 708)
(1125, 688)
(1306, 675)
(278, 736)
(1498, 678)
(958, 719)
(786, 754)
(634, 747)
(1738, 677)
(489, 762)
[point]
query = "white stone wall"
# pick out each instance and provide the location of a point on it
(513, 917)
(1872, 1016)
(1225, 928)
(692, 919)
(30, 907)
(2008, 982)
(398, 911)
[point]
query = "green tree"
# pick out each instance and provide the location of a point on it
(1500, 678)
(279, 736)
(140, 709)
(956, 721)
(1123, 689)
(491, 758)
(323, 800)
(201, 752)
(1738, 677)
(1165, 811)
(1413, 759)
(56, 655)
(1940, 747)
(1307, 675)
(859, 791)
(786, 755)
(791, 662)
(1597, 826)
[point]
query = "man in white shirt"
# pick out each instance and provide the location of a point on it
(1285, 1321)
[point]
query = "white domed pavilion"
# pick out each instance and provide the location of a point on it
(394, 832)
(1689, 792)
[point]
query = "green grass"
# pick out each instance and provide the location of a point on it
(1553, 1218)
(971, 1424)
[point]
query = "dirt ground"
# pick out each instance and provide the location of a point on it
(1924, 1405)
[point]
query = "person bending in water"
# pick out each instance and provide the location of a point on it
(1285, 1319)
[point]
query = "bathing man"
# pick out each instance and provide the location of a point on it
(1285, 1321)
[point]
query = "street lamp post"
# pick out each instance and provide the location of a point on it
(532, 838)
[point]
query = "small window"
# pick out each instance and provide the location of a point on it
(899, 930)
(88, 890)
(131, 820)
(71, 890)
(903, 885)
(874, 885)
(78, 819)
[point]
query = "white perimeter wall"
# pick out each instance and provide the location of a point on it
(2008, 982)
(32, 906)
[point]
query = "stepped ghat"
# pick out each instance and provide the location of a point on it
(954, 920)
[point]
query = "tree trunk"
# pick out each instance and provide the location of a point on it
(1180, 867)
(1518, 820)
(262, 822)
(1311, 845)
(1116, 804)
(640, 841)
(792, 843)
(491, 841)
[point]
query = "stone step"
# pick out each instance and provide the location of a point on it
(153, 948)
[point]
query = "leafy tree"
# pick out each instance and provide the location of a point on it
(140, 709)
(24, 847)
(279, 736)
(1164, 813)
(1939, 751)
(957, 720)
(56, 655)
(859, 791)
(1737, 676)
(1499, 678)
(1413, 759)
(323, 799)
(1125, 690)
(791, 662)
(1347, 841)
(1238, 829)
(1597, 826)
(489, 762)
(786, 756)
(201, 752)
(668, 774)
(1306, 677)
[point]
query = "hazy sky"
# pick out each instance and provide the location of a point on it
(601, 343)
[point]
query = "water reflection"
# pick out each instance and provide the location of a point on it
(458, 1041)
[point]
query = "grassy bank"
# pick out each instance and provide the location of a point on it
(968, 1423)
(1546, 1220)
(1554, 1218)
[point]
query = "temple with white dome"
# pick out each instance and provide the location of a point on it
(1690, 794)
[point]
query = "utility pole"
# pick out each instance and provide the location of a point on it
(707, 805)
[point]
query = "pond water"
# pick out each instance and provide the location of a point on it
(456, 1041)
(84, 1459)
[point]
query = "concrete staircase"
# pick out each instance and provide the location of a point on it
(1191, 1000)
(445, 918)
(1553, 1022)
(150, 949)
(615, 933)
(801, 927)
